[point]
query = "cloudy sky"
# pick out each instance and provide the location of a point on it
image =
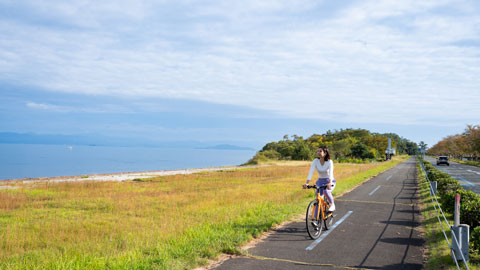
(245, 72)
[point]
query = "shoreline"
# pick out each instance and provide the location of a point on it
(120, 177)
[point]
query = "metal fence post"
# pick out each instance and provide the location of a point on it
(460, 234)
(456, 215)
(434, 187)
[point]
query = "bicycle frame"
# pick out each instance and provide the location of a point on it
(314, 221)
(320, 203)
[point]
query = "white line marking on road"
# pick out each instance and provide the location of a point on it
(388, 178)
(466, 181)
(374, 191)
(316, 242)
(474, 172)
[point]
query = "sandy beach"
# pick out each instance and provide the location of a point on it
(124, 176)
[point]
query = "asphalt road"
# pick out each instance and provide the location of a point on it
(377, 227)
(468, 176)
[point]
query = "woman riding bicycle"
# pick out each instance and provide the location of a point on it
(324, 166)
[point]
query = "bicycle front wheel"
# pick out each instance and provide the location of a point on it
(329, 221)
(314, 226)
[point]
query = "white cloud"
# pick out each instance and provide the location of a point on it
(105, 108)
(47, 107)
(370, 61)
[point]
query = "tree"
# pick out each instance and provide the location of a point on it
(411, 148)
(466, 144)
(340, 148)
(357, 143)
(303, 151)
(379, 143)
(360, 150)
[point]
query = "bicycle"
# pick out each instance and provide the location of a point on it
(316, 220)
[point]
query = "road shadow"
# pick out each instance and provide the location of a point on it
(405, 266)
(406, 223)
(410, 211)
(409, 181)
(404, 241)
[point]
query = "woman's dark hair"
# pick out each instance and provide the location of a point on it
(327, 153)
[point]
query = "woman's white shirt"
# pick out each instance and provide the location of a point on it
(324, 171)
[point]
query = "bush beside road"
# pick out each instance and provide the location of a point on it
(447, 187)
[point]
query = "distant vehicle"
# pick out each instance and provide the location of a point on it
(442, 160)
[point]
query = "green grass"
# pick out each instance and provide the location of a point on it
(471, 163)
(169, 222)
(436, 249)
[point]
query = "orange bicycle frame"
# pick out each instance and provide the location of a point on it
(321, 203)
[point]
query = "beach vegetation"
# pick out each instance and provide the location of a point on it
(359, 145)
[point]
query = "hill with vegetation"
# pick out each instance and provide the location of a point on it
(346, 145)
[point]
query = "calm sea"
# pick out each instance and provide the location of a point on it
(33, 160)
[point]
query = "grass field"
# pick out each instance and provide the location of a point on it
(171, 222)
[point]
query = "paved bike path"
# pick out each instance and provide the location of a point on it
(381, 229)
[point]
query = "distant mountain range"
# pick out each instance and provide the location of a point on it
(94, 140)
(227, 147)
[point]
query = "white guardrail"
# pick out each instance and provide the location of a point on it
(439, 211)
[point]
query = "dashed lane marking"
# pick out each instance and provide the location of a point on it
(370, 194)
(474, 172)
(316, 242)
(388, 178)
(468, 183)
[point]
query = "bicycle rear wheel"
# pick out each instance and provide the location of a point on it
(314, 227)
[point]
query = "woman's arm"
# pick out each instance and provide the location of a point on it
(310, 174)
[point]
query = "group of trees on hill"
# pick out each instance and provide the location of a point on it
(466, 144)
(344, 145)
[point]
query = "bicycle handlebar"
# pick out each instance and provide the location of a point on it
(315, 186)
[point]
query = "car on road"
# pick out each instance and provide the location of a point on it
(443, 160)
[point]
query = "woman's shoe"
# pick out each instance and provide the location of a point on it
(331, 208)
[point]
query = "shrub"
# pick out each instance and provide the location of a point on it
(447, 187)
(475, 238)
(271, 154)
(446, 184)
(470, 209)
(469, 206)
(447, 201)
(434, 174)
(472, 163)
(263, 156)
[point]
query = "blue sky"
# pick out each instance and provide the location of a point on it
(244, 72)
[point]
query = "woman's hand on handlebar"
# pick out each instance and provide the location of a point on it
(304, 186)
